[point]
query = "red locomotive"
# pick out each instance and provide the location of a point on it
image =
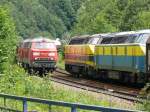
(39, 54)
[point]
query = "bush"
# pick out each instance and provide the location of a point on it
(8, 39)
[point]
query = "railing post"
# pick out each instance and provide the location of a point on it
(73, 109)
(24, 106)
(4, 102)
(50, 108)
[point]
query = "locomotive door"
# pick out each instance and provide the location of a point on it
(148, 57)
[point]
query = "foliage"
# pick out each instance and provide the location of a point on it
(17, 82)
(61, 62)
(146, 93)
(8, 39)
(42, 17)
(99, 16)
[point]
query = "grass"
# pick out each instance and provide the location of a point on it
(61, 62)
(17, 82)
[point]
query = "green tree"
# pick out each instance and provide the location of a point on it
(33, 17)
(131, 14)
(76, 4)
(92, 18)
(7, 39)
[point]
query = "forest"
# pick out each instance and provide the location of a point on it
(53, 19)
(49, 18)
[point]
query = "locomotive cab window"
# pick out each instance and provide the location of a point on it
(86, 41)
(131, 39)
(77, 41)
(43, 45)
(94, 41)
(118, 40)
(143, 38)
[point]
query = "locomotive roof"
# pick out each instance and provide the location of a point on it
(139, 36)
(38, 40)
(80, 36)
(146, 31)
(100, 35)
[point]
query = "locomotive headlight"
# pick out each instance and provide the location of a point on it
(51, 54)
(36, 53)
(51, 58)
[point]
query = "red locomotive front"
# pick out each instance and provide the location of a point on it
(38, 54)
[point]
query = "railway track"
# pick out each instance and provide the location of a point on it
(120, 91)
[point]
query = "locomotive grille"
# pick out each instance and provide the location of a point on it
(42, 59)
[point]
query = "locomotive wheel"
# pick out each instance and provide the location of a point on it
(41, 72)
(77, 75)
(30, 71)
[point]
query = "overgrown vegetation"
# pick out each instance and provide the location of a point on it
(8, 39)
(100, 16)
(60, 62)
(17, 82)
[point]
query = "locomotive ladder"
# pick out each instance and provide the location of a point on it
(73, 106)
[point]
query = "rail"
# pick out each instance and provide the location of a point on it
(73, 106)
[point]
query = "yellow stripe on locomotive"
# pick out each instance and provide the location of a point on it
(121, 50)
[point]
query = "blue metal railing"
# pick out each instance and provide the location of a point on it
(72, 106)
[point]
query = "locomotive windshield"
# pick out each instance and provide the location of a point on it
(143, 38)
(94, 41)
(44, 45)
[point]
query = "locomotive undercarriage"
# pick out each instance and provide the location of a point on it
(40, 69)
(123, 76)
(118, 76)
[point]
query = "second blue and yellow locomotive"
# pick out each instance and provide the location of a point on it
(122, 56)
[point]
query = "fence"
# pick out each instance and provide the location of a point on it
(73, 106)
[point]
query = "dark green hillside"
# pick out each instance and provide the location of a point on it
(55, 17)
(42, 17)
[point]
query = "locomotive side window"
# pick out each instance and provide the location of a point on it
(118, 40)
(106, 40)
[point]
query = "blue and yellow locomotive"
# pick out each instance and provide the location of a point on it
(122, 56)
